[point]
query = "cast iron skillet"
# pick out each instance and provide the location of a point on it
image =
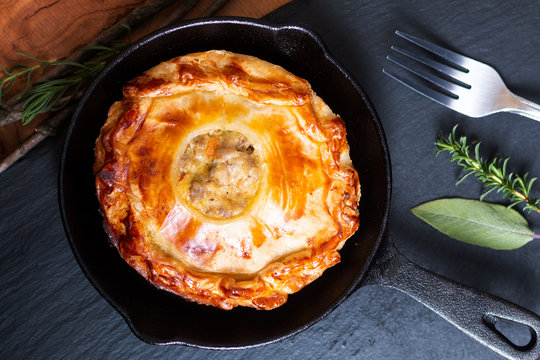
(369, 257)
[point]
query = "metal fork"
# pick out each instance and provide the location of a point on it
(470, 87)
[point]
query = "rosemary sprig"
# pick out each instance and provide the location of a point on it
(492, 173)
(52, 95)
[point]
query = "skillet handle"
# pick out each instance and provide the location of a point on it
(470, 310)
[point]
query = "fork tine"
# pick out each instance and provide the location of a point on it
(459, 60)
(458, 75)
(440, 82)
(423, 90)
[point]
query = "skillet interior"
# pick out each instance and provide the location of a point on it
(159, 317)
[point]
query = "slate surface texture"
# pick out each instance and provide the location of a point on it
(51, 311)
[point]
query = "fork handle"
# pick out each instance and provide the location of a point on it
(524, 107)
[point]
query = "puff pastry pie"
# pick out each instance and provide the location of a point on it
(226, 180)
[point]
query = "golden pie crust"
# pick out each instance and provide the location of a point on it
(166, 154)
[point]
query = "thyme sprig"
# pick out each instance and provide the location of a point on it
(52, 95)
(493, 173)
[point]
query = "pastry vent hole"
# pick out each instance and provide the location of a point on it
(219, 173)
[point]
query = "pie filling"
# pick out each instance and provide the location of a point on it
(219, 173)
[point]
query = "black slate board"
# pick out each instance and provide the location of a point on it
(50, 310)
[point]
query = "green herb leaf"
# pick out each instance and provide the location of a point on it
(477, 222)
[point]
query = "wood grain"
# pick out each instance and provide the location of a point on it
(54, 29)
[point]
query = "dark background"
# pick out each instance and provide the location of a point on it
(51, 311)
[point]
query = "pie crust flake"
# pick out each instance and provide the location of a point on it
(226, 180)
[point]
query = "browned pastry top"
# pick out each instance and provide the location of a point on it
(226, 180)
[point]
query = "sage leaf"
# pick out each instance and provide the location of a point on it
(477, 222)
